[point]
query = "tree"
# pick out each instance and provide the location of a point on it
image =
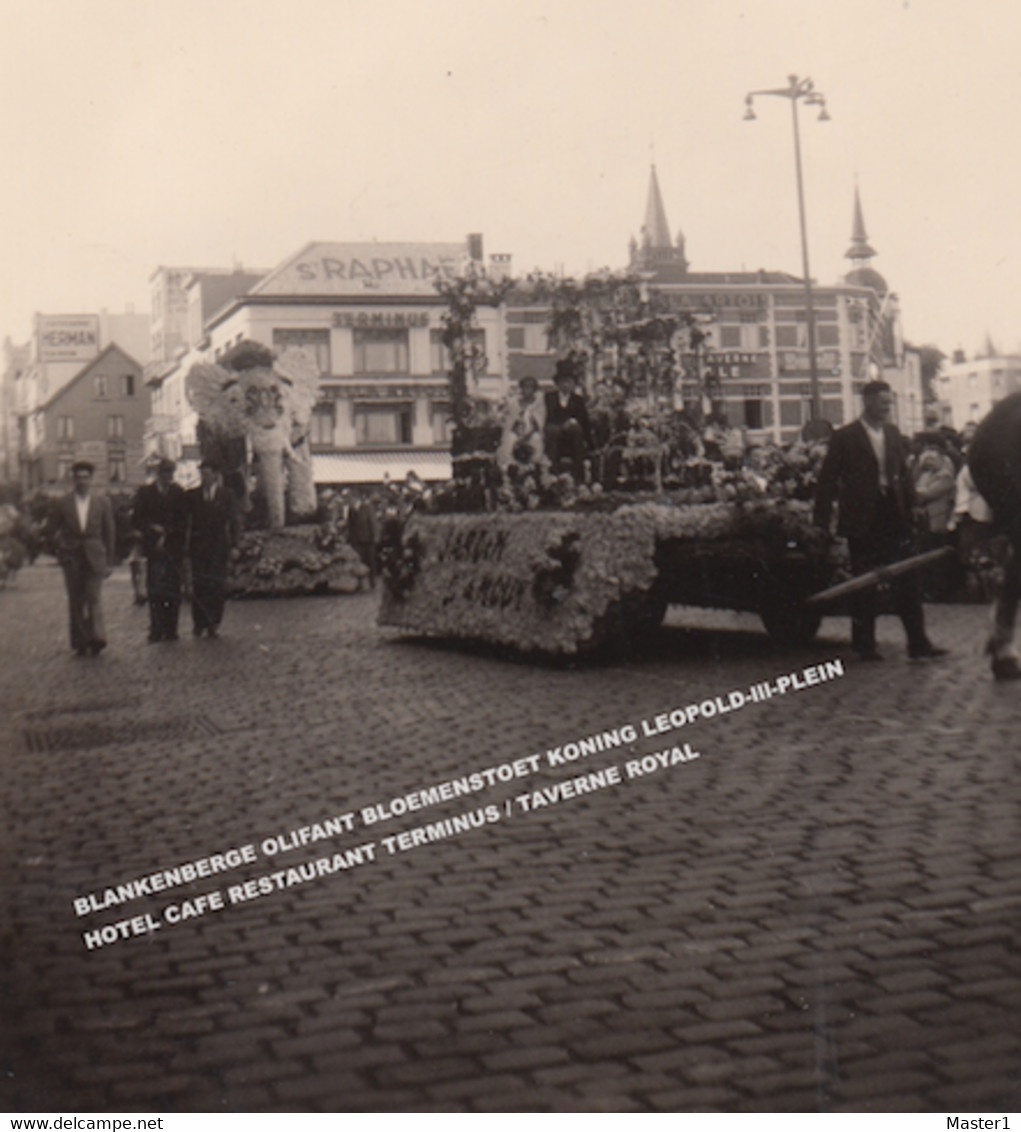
(932, 359)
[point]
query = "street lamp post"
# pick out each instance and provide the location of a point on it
(800, 90)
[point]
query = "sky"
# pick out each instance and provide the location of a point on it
(208, 133)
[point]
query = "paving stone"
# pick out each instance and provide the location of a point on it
(823, 922)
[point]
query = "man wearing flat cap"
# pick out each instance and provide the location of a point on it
(160, 515)
(213, 528)
(84, 535)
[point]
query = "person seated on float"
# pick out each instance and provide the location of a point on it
(568, 432)
(524, 425)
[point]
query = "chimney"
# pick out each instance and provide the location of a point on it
(475, 246)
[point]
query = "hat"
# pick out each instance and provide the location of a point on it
(166, 465)
(82, 466)
(565, 369)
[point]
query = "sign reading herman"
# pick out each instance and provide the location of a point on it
(67, 337)
(365, 269)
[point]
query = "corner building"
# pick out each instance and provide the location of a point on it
(371, 315)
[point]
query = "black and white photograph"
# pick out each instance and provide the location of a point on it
(510, 516)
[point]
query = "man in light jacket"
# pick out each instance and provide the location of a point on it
(85, 538)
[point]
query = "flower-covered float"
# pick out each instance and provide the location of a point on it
(523, 554)
(255, 402)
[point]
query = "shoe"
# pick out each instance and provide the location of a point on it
(212, 633)
(97, 647)
(197, 632)
(155, 638)
(927, 652)
(81, 650)
(1006, 668)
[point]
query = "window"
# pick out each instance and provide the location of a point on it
(753, 413)
(730, 337)
(64, 467)
(829, 335)
(317, 342)
(764, 337)
(381, 351)
(321, 425)
(788, 336)
(441, 357)
(515, 338)
(100, 384)
(118, 469)
(441, 422)
(65, 428)
(383, 424)
(115, 427)
(128, 385)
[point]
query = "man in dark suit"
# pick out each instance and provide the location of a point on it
(160, 514)
(866, 470)
(363, 534)
(568, 433)
(994, 460)
(213, 528)
(84, 535)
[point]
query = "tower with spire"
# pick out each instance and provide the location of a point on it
(654, 251)
(860, 253)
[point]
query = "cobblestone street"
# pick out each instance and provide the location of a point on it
(821, 912)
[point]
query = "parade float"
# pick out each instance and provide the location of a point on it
(258, 404)
(521, 554)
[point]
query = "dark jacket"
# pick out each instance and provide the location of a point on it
(850, 474)
(213, 526)
(97, 542)
(575, 409)
(167, 510)
(994, 457)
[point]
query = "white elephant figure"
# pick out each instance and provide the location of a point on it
(270, 401)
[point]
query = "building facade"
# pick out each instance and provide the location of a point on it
(754, 360)
(372, 317)
(61, 347)
(97, 416)
(969, 389)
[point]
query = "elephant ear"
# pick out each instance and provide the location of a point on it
(299, 368)
(217, 396)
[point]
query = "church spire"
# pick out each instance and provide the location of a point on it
(655, 251)
(655, 231)
(860, 251)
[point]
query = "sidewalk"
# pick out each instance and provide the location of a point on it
(819, 913)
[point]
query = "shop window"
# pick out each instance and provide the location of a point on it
(383, 424)
(317, 342)
(115, 427)
(65, 428)
(321, 426)
(380, 351)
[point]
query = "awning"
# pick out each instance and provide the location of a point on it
(375, 467)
